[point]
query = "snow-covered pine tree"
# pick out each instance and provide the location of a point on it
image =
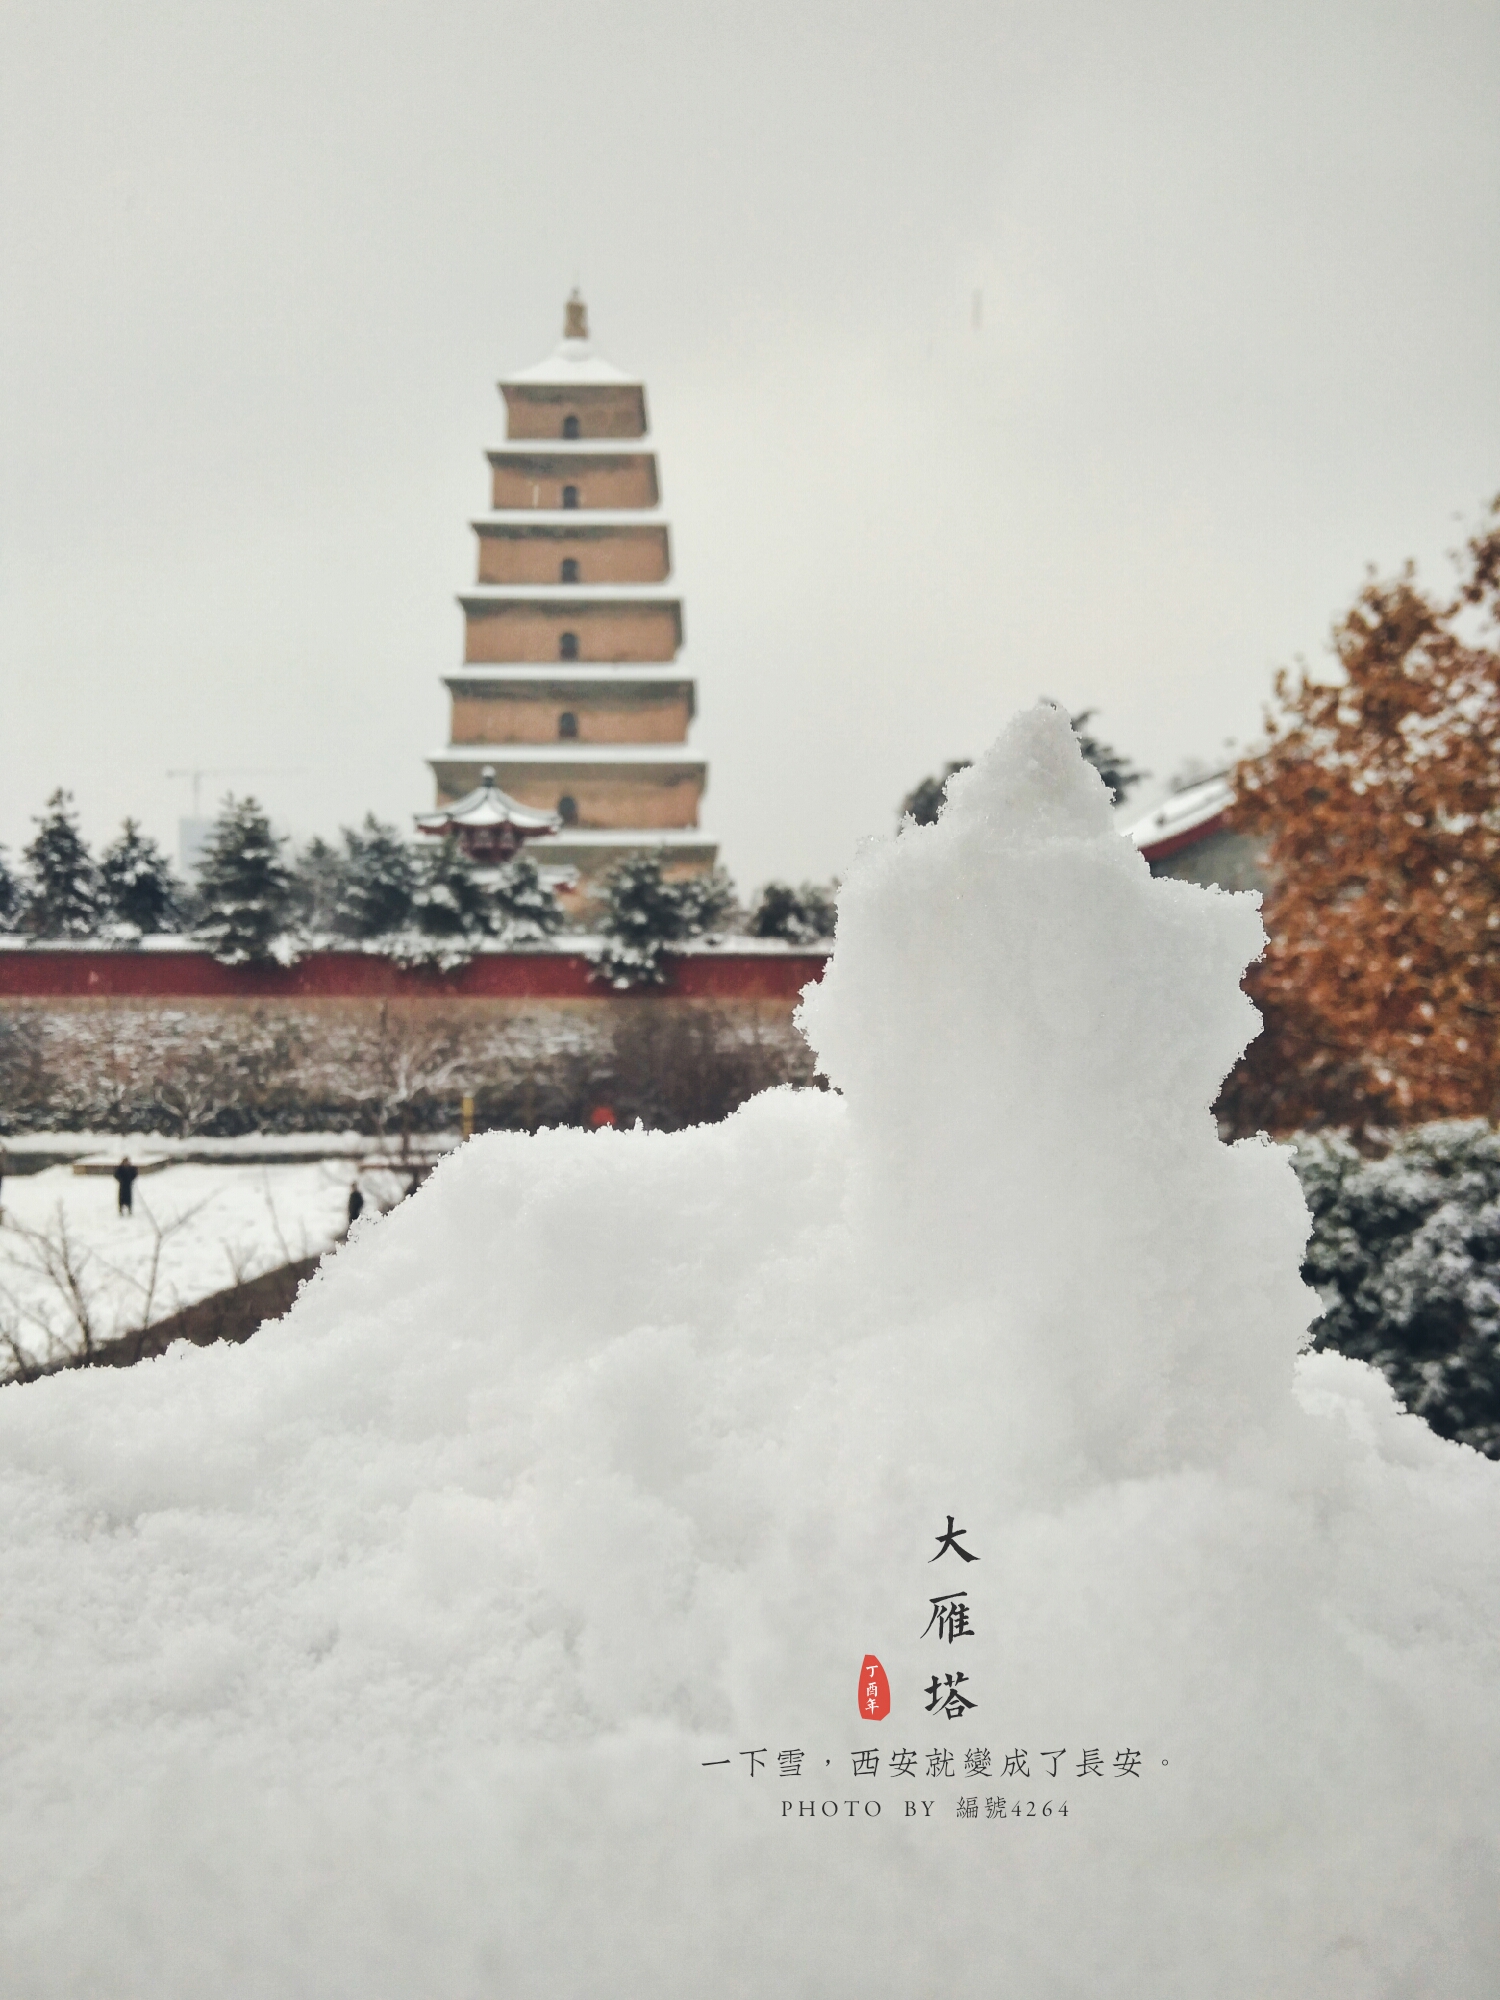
(379, 881)
(801, 916)
(62, 888)
(449, 901)
(10, 896)
(522, 907)
(244, 887)
(317, 875)
(646, 912)
(139, 891)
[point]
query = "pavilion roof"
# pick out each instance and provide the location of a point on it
(486, 807)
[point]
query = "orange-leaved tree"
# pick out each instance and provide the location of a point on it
(1376, 803)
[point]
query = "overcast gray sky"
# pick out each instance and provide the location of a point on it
(261, 266)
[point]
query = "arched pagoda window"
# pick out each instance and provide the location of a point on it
(567, 723)
(567, 809)
(570, 427)
(570, 569)
(567, 646)
(570, 496)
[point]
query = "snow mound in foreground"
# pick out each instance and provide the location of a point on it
(397, 1652)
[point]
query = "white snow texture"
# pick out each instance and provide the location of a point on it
(392, 1653)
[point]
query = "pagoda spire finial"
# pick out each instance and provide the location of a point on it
(575, 317)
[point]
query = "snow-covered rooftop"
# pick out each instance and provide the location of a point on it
(485, 807)
(570, 363)
(573, 361)
(1184, 812)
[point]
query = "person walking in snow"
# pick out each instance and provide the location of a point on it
(356, 1205)
(126, 1177)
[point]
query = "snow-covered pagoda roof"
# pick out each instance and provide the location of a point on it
(570, 362)
(487, 812)
(573, 361)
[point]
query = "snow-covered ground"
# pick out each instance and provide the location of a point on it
(66, 1252)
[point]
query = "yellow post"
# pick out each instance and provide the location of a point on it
(468, 1116)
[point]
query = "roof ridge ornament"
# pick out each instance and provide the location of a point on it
(575, 317)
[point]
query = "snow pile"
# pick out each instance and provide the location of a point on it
(397, 1651)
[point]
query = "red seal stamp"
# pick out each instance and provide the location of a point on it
(874, 1690)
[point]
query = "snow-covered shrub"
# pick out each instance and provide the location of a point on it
(62, 885)
(801, 916)
(1405, 1254)
(244, 889)
(29, 1082)
(646, 911)
(138, 890)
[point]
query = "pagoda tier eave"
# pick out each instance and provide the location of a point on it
(568, 520)
(564, 673)
(676, 839)
(550, 447)
(628, 756)
(570, 596)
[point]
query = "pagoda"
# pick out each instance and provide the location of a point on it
(570, 700)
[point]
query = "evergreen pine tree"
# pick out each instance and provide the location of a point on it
(379, 881)
(10, 896)
(448, 901)
(925, 801)
(317, 877)
(62, 892)
(1117, 772)
(244, 886)
(522, 908)
(801, 916)
(138, 886)
(646, 912)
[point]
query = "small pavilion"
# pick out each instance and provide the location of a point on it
(488, 825)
